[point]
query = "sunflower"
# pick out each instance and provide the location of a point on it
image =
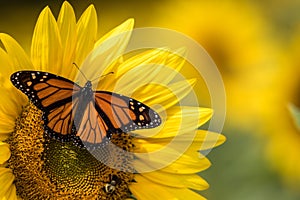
(239, 41)
(283, 139)
(163, 163)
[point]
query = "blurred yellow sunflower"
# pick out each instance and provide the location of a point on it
(239, 41)
(283, 137)
(34, 166)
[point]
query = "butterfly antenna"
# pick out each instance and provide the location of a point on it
(102, 76)
(80, 71)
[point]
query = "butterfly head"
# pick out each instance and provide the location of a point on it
(88, 84)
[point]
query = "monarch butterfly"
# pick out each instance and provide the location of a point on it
(69, 109)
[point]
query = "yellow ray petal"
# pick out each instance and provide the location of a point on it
(131, 73)
(180, 120)
(162, 98)
(68, 32)
(15, 53)
(162, 178)
(192, 181)
(182, 165)
(144, 189)
(108, 50)
(137, 77)
(10, 108)
(46, 48)
(171, 68)
(161, 64)
(183, 194)
(169, 159)
(151, 57)
(4, 152)
(12, 194)
(86, 34)
(6, 68)
(158, 55)
(7, 124)
(195, 141)
(4, 136)
(176, 59)
(154, 67)
(6, 182)
(210, 139)
(124, 27)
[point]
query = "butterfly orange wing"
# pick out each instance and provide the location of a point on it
(125, 114)
(56, 96)
(113, 113)
(92, 128)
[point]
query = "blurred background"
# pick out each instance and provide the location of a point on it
(256, 46)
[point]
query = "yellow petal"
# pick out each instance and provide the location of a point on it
(68, 32)
(189, 143)
(11, 101)
(176, 59)
(148, 57)
(162, 178)
(46, 48)
(192, 181)
(170, 70)
(12, 194)
(119, 69)
(15, 53)
(7, 123)
(125, 27)
(163, 97)
(4, 152)
(198, 141)
(4, 136)
(157, 156)
(144, 74)
(107, 51)
(186, 165)
(144, 189)
(210, 139)
(6, 182)
(183, 194)
(154, 67)
(131, 75)
(86, 34)
(6, 67)
(147, 190)
(169, 159)
(180, 120)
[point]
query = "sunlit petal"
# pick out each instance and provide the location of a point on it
(86, 34)
(6, 180)
(46, 47)
(68, 32)
(107, 51)
(16, 54)
(144, 189)
(4, 152)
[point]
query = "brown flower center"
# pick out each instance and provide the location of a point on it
(45, 168)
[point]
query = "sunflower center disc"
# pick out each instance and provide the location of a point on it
(45, 168)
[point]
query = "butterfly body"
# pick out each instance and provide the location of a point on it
(69, 109)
